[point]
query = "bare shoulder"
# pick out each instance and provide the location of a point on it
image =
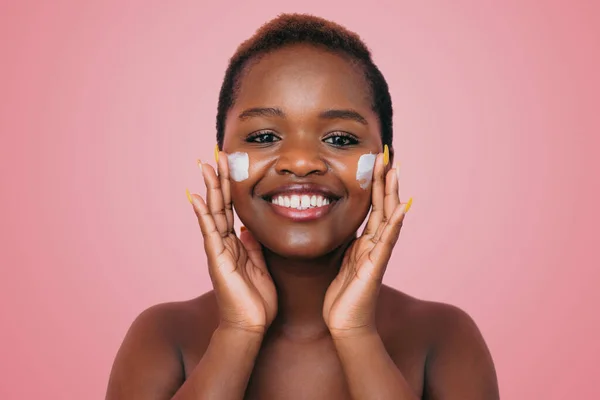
(150, 361)
(172, 323)
(434, 320)
(181, 319)
(458, 364)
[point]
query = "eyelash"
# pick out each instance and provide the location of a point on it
(350, 139)
(251, 138)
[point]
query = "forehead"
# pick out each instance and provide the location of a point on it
(303, 78)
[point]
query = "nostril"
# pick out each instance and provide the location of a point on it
(301, 165)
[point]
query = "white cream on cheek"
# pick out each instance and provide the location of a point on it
(239, 164)
(364, 170)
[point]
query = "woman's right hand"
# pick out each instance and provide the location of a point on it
(243, 286)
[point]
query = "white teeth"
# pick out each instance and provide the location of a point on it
(305, 201)
(295, 201)
(301, 202)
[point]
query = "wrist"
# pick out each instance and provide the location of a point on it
(233, 340)
(353, 334)
(241, 331)
(357, 345)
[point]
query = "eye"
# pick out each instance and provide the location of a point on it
(341, 139)
(262, 137)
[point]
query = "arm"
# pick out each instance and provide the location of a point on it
(224, 370)
(369, 370)
(460, 366)
(148, 365)
(351, 299)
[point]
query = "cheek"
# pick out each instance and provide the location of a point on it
(364, 170)
(356, 172)
(244, 172)
(239, 166)
(239, 172)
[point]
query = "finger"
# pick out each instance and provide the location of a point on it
(377, 198)
(391, 199)
(214, 199)
(253, 248)
(223, 169)
(382, 251)
(213, 242)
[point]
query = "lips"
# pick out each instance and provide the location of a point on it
(301, 202)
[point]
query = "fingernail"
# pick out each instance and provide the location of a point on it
(243, 228)
(407, 206)
(199, 164)
(189, 196)
(217, 152)
(397, 167)
(386, 155)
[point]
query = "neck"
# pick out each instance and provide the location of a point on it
(301, 287)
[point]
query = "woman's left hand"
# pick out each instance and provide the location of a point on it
(351, 299)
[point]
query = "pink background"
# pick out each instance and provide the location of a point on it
(107, 104)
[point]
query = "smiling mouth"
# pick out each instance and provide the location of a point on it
(301, 201)
(301, 207)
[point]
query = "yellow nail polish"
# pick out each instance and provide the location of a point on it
(189, 196)
(407, 206)
(217, 153)
(386, 155)
(199, 164)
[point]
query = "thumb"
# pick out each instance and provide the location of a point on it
(252, 246)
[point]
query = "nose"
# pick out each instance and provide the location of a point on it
(300, 158)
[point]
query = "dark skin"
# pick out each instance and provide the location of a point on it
(298, 310)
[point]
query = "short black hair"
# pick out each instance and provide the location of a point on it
(289, 29)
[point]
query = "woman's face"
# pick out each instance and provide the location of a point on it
(303, 116)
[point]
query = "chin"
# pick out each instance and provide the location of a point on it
(300, 247)
(301, 252)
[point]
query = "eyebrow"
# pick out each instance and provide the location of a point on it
(277, 112)
(261, 112)
(343, 114)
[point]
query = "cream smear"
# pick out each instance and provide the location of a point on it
(364, 170)
(238, 166)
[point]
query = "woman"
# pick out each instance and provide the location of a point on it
(298, 311)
